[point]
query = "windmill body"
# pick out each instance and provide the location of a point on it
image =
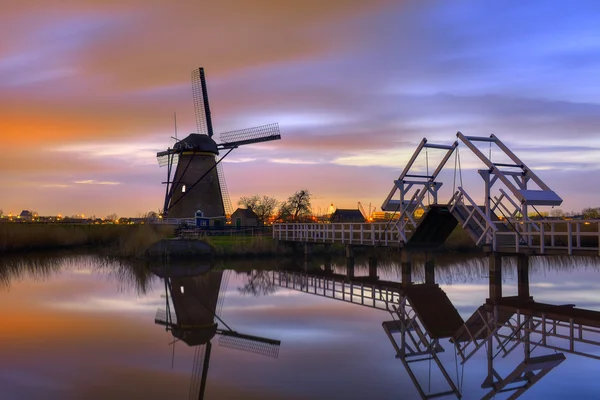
(198, 155)
(195, 304)
(196, 186)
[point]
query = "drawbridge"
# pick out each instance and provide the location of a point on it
(421, 316)
(499, 219)
(495, 222)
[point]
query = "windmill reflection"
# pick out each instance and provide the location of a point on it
(423, 315)
(193, 303)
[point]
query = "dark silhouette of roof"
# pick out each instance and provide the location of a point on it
(197, 142)
(244, 213)
(26, 213)
(345, 215)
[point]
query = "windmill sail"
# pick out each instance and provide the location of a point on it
(224, 191)
(167, 158)
(252, 344)
(199, 371)
(201, 105)
(263, 133)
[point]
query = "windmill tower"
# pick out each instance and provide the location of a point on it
(197, 182)
(193, 303)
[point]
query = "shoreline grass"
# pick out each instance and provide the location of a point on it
(132, 241)
(125, 240)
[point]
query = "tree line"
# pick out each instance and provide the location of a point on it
(296, 208)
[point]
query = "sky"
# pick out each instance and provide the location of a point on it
(88, 90)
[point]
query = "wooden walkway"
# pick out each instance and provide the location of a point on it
(371, 234)
(533, 237)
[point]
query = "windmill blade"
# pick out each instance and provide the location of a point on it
(252, 344)
(224, 192)
(222, 291)
(201, 106)
(263, 133)
(199, 371)
(165, 318)
(168, 156)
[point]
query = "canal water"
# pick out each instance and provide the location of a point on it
(77, 326)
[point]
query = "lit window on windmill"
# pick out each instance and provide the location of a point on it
(183, 189)
(181, 288)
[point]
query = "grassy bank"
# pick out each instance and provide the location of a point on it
(134, 240)
(124, 240)
(240, 246)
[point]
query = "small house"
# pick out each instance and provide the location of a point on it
(26, 215)
(244, 217)
(344, 215)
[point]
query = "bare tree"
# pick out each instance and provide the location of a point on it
(259, 283)
(263, 206)
(591, 213)
(297, 208)
(112, 217)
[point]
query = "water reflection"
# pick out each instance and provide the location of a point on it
(193, 303)
(97, 316)
(422, 315)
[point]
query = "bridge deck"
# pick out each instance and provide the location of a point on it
(435, 310)
(433, 230)
(541, 237)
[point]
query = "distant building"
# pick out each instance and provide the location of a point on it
(385, 216)
(26, 215)
(244, 217)
(343, 215)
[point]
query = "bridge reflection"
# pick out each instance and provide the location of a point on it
(422, 316)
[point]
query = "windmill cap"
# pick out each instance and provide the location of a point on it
(197, 142)
(196, 335)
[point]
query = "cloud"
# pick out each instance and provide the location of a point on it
(89, 91)
(93, 182)
(55, 185)
(293, 161)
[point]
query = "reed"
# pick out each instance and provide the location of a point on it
(125, 240)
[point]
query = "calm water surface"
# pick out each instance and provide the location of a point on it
(80, 327)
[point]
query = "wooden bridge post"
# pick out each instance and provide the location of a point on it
(349, 251)
(307, 248)
(373, 268)
(523, 275)
(430, 272)
(350, 261)
(406, 262)
(327, 264)
(495, 272)
(350, 267)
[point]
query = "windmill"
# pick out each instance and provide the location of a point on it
(197, 182)
(193, 303)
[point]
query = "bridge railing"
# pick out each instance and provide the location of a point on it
(369, 234)
(408, 222)
(544, 235)
(177, 221)
(365, 294)
(472, 218)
